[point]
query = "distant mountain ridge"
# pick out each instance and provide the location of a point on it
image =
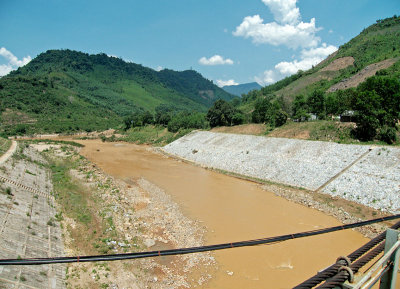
(240, 89)
(65, 90)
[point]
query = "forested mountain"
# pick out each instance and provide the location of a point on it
(64, 90)
(240, 89)
(376, 48)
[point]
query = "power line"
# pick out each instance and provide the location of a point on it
(182, 251)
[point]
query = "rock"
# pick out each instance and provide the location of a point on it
(149, 243)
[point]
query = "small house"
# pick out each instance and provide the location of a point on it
(347, 116)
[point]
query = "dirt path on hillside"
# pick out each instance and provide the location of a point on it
(368, 71)
(8, 153)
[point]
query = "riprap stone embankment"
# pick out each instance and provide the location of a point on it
(364, 174)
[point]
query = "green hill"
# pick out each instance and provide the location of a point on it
(64, 90)
(376, 48)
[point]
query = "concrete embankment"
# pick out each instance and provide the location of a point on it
(364, 174)
(28, 227)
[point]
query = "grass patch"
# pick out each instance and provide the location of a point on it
(155, 135)
(69, 194)
(29, 172)
(63, 142)
(5, 144)
(320, 130)
(81, 204)
(8, 191)
(315, 130)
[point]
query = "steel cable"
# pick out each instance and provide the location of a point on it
(182, 251)
(342, 276)
(333, 269)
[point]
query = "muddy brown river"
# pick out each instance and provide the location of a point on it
(233, 210)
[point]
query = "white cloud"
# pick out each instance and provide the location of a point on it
(268, 77)
(319, 52)
(159, 68)
(13, 61)
(292, 36)
(222, 83)
(215, 60)
(308, 58)
(285, 11)
(288, 30)
(5, 69)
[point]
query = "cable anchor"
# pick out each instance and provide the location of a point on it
(349, 271)
(345, 259)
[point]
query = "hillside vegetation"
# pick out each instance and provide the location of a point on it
(67, 91)
(374, 44)
(361, 79)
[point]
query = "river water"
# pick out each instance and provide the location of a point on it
(233, 210)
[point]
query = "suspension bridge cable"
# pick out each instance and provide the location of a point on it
(333, 269)
(182, 251)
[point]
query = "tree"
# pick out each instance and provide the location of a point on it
(316, 103)
(300, 107)
(163, 114)
(268, 111)
(387, 134)
(377, 108)
(147, 118)
(366, 105)
(332, 104)
(280, 118)
(138, 119)
(186, 120)
(235, 101)
(275, 115)
(220, 114)
(237, 118)
(261, 107)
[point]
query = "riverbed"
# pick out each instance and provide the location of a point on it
(232, 210)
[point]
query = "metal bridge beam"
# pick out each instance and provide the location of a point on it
(388, 280)
(384, 270)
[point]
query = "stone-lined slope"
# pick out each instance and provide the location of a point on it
(288, 161)
(373, 181)
(368, 175)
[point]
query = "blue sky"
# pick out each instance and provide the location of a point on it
(228, 41)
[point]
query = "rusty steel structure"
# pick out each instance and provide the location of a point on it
(342, 273)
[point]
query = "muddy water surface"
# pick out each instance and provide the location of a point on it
(234, 210)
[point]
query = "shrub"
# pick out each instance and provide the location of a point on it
(186, 120)
(237, 118)
(388, 134)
